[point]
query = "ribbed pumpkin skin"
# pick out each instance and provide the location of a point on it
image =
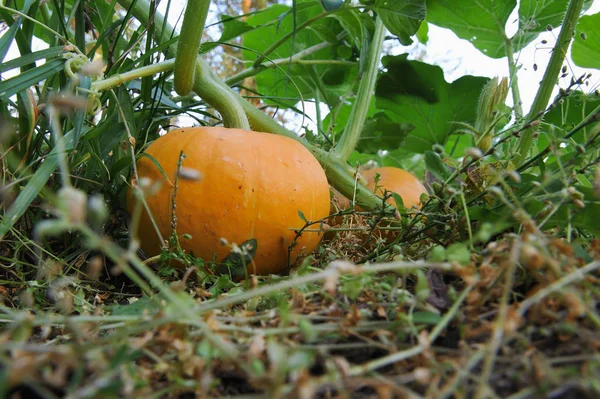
(397, 180)
(252, 186)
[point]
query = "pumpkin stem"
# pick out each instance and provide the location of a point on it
(356, 120)
(215, 92)
(189, 44)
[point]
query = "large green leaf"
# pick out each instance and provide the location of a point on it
(290, 83)
(536, 16)
(586, 47)
(379, 132)
(480, 22)
(382, 133)
(401, 17)
(416, 93)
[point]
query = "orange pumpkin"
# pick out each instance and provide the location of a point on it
(251, 186)
(392, 179)
(396, 180)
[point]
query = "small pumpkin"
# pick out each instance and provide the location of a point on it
(396, 180)
(252, 186)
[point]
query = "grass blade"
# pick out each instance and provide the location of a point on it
(29, 58)
(25, 80)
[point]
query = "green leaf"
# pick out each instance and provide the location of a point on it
(32, 188)
(401, 17)
(7, 39)
(356, 24)
(382, 133)
(586, 47)
(586, 218)
(423, 33)
(535, 16)
(31, 77)
(290, 83)
(416, 93)
(301, 215)
(232, 28)
(480, 22)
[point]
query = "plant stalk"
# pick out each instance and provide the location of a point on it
(356, 121)
(549, 80)
(188, 45)
(514, 81)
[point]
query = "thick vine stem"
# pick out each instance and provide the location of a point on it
(220, 96)
(549, 80)
(189, 44)
(356, 121)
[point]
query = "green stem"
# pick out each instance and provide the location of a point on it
(189, 44)
(356, 121)
(215, 92)
(549, 80)
(119, 79)
(514, 81)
